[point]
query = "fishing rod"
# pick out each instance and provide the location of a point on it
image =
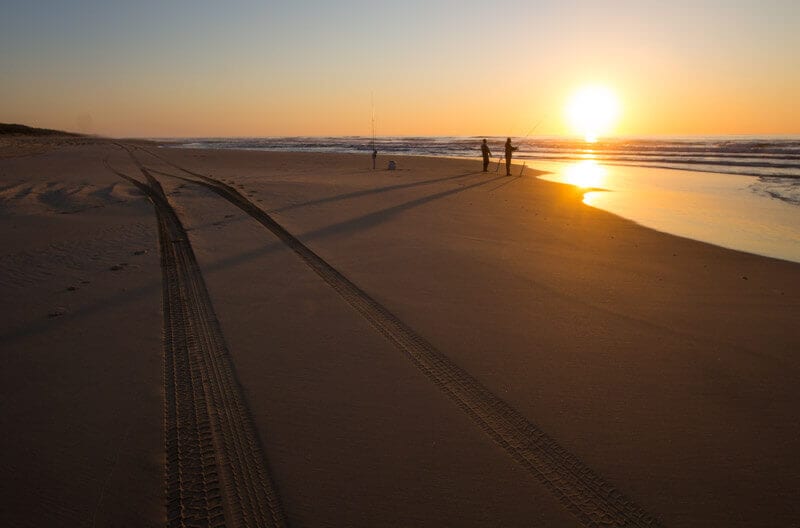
(499, 161)
(374, 151)
(526, 137)
(533, 129)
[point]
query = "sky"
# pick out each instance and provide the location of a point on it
(261, 68)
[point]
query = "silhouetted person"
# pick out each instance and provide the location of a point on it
(509, 150)
(486, 154)
(374, 157)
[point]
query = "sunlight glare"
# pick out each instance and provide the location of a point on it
(592, 111)
(585, 174)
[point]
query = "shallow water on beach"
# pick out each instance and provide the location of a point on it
(721, 209)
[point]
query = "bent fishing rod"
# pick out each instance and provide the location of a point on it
(526, 137)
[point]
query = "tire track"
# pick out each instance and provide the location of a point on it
(593, 501)
(216, 474)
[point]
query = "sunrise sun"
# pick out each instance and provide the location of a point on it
(592, 111)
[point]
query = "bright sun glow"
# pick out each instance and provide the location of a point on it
(586, 174)
(592, 111)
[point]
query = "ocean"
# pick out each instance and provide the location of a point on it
(740, 192)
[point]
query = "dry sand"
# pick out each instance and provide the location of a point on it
(662, 367)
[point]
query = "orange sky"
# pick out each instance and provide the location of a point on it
(312, 68)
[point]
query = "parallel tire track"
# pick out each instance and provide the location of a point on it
(216, 473)
(580, 490)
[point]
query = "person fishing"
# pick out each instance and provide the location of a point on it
(486, 155)
(374, 157)
(509, 149)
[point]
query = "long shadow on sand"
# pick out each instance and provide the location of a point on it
(511, 180)
(366, 192)
(377, 217)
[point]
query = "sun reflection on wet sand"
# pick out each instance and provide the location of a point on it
(720, 209)
(585, 174)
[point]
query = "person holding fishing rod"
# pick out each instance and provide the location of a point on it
(486, 155)
(509, 149)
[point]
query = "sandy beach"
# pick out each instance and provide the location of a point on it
(253, 338)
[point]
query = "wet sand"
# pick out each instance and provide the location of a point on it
(428, 346)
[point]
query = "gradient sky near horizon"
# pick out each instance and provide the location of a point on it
(260, 68)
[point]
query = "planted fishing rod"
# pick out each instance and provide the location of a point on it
(374, 150)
